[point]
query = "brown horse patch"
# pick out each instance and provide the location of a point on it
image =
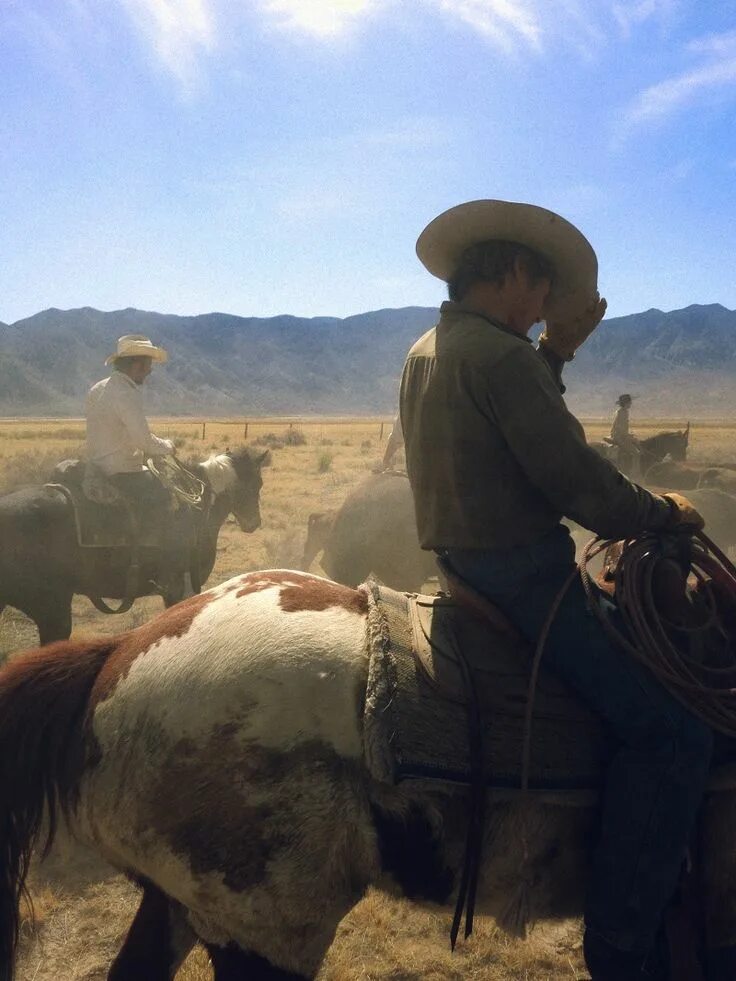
(320, 594)
(301, 592)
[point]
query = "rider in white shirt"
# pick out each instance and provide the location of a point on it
(119, 440)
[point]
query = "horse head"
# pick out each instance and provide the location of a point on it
(678, 447)
(672, 444)
(235, 478)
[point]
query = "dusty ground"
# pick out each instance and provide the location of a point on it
(83, 908)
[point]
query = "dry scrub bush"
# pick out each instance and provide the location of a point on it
(33, 467)
(294, 437)
(324, 461)
(271, 440)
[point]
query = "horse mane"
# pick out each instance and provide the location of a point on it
(223, 470)
(219, 471)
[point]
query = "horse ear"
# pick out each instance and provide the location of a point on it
(687, 430)
(264, 459)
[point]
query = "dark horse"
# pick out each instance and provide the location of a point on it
(652, 449)
(42, 566)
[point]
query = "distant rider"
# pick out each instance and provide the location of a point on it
(627, 443)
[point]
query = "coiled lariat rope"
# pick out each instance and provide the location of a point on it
(187, 488)
(705, 686)
(707, 689)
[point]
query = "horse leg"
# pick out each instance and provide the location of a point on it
(53, 617)
(157, 943)
(233, 964)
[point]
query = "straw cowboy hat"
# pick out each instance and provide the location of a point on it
(441, 245)
(137, 346)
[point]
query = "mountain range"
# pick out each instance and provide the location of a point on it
(681, 363)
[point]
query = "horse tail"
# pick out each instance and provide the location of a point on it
(43, 707)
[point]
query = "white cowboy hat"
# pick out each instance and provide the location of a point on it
(441, 245)
(137, 346)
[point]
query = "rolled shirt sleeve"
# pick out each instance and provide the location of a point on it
(549, 445)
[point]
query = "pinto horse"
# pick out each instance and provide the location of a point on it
(217, 756)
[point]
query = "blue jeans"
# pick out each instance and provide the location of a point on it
(655, 782)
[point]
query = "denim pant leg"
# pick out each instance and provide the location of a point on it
(655, 782)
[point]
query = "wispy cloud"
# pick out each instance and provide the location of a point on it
(630, 14)
(179, 31)
(717, 73)
(321, 18)
(513, 26)
(505, 22)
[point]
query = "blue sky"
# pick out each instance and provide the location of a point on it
(281, 156)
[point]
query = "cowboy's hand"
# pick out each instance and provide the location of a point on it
(684, 512)
(564, 337)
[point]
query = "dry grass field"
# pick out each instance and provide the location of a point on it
(82, 907)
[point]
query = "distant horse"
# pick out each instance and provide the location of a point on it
(652, 449)
(374, 532)
(42, 565)
(218, 755)
(655, 448)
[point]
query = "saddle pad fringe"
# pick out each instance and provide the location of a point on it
(412, 732)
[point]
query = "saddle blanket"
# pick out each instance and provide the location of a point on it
(416, 714)
(416, 718)
(102, 519)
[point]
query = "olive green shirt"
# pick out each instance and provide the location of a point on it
(494, 457)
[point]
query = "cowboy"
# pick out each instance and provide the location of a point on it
(627, 443)
(495, 459)
(118, 436)
(119, 440)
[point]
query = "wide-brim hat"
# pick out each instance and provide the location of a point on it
(137, 346)
(441, 245)
(629, 398)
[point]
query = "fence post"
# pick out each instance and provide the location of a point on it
(245, 431)
(204, 429)
(380, 438)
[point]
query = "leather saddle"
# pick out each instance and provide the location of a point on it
(446, 634)
(498, 656)
(571, 745)
(104, 519)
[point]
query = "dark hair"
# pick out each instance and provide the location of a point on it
(492, 262)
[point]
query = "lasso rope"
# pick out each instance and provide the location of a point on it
(707, 690)
(701, 687)
(177, 479)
